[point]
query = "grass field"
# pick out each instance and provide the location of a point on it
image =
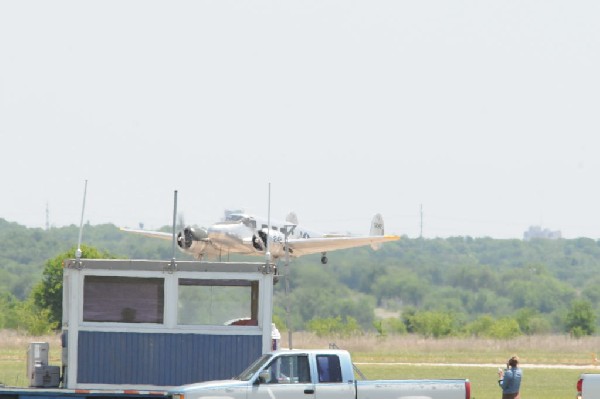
(407, 357)
(475, 359)
(13, 355)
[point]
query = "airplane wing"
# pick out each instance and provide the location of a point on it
(306, 246)
(152, 234)
(194, 242)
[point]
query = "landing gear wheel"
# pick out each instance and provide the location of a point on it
(324, 259)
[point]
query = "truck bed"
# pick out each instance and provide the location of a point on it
(447, 389)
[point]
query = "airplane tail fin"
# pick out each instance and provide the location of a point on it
(376, 230)
(292, 218)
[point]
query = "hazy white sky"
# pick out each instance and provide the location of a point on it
(485, 112)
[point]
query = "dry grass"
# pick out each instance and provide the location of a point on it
(12, 339)
(549, 349)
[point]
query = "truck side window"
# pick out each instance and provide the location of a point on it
(329, 368)
(289, 370)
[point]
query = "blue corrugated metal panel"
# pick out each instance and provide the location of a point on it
(162, 359)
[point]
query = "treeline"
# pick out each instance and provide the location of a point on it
(23, 251)
(432, 287)
(455, 286)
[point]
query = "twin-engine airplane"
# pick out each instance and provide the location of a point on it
(245, 234)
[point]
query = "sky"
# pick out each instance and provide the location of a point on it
(450, 118)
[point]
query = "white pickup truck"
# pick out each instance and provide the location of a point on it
(317, 374)
(588, 386)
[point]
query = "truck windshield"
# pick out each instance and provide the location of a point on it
(253, 368)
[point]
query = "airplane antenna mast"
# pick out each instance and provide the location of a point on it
(78, 252)
(174, 223)
(268, 254)
(289, 229)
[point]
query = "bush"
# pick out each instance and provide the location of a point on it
(334, 326)
(34, 320)
(393, 326)
(480, 327)
(504, 328)
(431, 324)
(581, 319)
(531, 322)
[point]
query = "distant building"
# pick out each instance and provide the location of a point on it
(538, 232)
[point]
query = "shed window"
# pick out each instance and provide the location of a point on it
(123, 299)
(217, 302)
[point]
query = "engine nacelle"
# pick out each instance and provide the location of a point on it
(193, 240)
(276, 242)
(259, 240)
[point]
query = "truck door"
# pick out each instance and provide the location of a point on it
(289, 379)
(330, 381)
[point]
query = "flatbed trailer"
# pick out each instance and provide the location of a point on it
(59, 393)
(137, 328)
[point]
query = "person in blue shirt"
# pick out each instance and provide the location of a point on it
(510, 379)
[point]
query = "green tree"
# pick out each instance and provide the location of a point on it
(403, 285)
(8, 317)
(504, 328)
(334, 326)
(480, 327)
(316, 294)
(392, 325)
(581, 319)
(539, 291)
(280, 322)
(531, 322)
(432, 324)
(591, 291)
(47, 294)
(488, 327)
(32, 319)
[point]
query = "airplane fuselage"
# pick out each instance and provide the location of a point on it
(245, 234)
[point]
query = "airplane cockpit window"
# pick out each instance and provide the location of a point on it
(249, 222)
(234, 217)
